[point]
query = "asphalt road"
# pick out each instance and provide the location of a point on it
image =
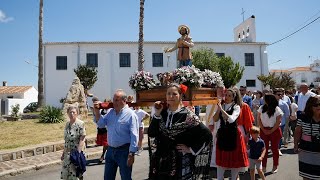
(288, 169)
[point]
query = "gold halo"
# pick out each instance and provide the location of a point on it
(185, 26)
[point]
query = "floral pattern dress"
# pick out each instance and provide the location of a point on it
(72, 134)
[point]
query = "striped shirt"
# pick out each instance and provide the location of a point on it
(306, 127)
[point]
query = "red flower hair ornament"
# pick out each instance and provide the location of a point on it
(183, 88)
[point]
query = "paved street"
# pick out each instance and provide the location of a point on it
(288, 169)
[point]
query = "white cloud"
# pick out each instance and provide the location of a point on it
(4, 18)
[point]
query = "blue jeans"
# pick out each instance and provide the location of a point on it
(114, 158)
(282, 128)
(197, 110)
(185, 62)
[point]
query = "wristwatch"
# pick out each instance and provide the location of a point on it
(131, 153)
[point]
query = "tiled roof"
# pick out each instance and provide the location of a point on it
(149, 42)
(14, 89)
(304, 68)
(278, 70)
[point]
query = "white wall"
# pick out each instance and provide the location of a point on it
(29, 96)
(112, 77)
(13, 102)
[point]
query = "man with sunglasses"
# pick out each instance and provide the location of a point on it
(245, 98)
(284, 126)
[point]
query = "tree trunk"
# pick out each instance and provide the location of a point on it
(140, 49)
(40, 59)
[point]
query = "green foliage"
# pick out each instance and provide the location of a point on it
(50, 114)
(15, 110)
(284, 80)
(230, 72)
(87, 75)
(205, 58)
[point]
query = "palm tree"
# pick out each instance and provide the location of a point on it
(140, 48)
(40, 59)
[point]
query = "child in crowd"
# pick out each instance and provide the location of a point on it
(142, 115)
(102, 137)
(257, 152)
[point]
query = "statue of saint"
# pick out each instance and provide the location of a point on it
(184, 43)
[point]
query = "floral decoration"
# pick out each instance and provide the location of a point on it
(188, 75)
(211, 79)
(141, 80)
(165, 78)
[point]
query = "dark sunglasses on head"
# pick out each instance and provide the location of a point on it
(316, 105)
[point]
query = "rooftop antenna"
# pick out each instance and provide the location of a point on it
(242, 14)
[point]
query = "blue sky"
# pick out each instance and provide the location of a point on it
(102, 20)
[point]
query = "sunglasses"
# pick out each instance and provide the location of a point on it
(316, 105)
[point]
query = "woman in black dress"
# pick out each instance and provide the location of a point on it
(181, 146)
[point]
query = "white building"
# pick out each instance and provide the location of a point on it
(306, 74)
(117, 61)
(12, 95)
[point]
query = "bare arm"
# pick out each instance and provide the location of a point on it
(263, 153)
(277, 124)
(172, 49)
(297, 137)
(81, 143)
(188, 42)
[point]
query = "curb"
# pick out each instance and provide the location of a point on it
(30, 168)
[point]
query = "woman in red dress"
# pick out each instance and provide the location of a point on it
(231, 153)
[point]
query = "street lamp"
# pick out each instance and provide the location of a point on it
(275, 62)
(168, 56)
(30, 63)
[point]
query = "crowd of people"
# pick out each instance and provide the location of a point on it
(235, 136)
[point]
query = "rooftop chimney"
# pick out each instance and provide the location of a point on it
(4, 83)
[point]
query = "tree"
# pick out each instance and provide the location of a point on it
(87, 76)
(140, 48)
(284, 80)
(205, 58)
(40, 59)
(230, 72)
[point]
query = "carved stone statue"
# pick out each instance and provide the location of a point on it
(76, 97)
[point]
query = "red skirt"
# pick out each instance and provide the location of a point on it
(102, 139)
(236, 158)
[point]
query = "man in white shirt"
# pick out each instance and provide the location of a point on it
(142, 115)
(303, 98)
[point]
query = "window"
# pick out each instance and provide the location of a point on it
(125, 60)
(249, 59)
(251, 83)
(61, 62)
(220, 54)
(92, 59)
(157, 59)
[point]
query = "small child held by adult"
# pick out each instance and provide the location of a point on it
(257, 152)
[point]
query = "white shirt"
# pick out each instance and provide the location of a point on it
(235, 114)
(294, 109)
(141, 114)
(269, 121)
(302, 100)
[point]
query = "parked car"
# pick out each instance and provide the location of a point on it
(31, 107)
